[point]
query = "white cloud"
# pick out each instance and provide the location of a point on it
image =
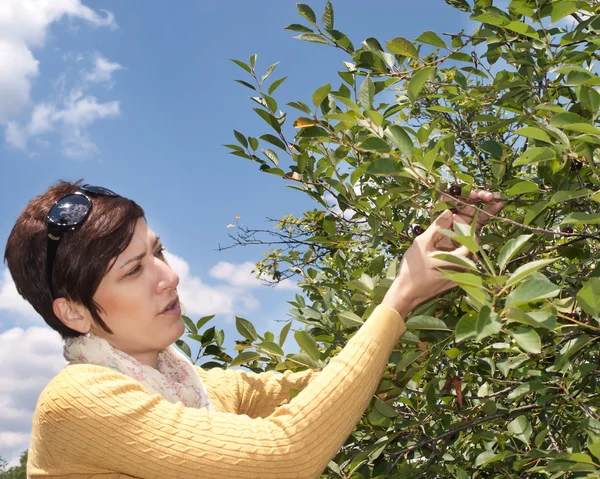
(72, 118)
(29, 358)
(241, 275)
(102, 71)
(24, 25)
(11, 300)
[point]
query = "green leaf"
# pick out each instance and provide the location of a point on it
(595, 449)
(190, 324)
(535, 133)
(375, 144)
(457, 260)
(491, 18)
(559, 10)
(350, 319)
(296, 27)
(588, 297)
(271, 348)
(527, 269)
(184, 347)
(407, 360)
(246, 84)
(202, 321)
(245, 328)
(582, 218)
(366, 92)
(401, 46)
(244, 357)
(523, 29)
(269, 71)
(561, 196)
(284, 333)
(431, 38)
(327, 17)
(431, 323)
(532, 290)
(522, 187)
(466, 327)
(308, 344)
(535, 154)
(459, 4)
(384, 166)
(320, 94)
(537, 319)
(569, 349)
(520, 429)
(270, 119)
(273, 140)
(582, 128)
(417, 81)
(510, 249)
(312, 37)
(384, 408)
(241, 138)
(487, 324)
(307, 13)
(566, 118)
(492, 147)
(397, 135)
(528, 340)
(242, 65)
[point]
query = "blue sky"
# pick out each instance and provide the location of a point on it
(139, 97)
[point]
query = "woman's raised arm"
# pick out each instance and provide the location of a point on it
(250, 393)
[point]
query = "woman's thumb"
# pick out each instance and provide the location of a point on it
(445, 219)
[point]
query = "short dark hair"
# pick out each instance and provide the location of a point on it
(82, 258)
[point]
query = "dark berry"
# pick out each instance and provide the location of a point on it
(567, 230)
(417, 230)
(587, 320)
(576, 165)
(574, 316)
(455, 190)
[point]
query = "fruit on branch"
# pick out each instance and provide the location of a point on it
(576, 165)
(567, 230)
(417, 230)
(455, 190)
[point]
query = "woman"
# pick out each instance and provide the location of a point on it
(129, 405)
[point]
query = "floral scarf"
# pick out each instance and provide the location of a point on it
(175, 378)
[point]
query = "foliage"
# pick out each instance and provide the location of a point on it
(17, 472)
(509, 386)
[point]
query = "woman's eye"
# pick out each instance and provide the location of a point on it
(139, 266)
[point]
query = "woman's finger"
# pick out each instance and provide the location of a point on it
(432, 234)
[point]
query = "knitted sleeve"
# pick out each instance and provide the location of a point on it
(254, 394)
(94, 419)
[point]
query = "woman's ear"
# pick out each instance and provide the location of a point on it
(71, 314)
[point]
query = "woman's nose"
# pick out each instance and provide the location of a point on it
(170, 279)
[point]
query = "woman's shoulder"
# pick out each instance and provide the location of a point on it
(75, 379)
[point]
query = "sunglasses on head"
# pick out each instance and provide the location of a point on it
(67, 214)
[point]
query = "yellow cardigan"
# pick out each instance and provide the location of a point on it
(91, 421)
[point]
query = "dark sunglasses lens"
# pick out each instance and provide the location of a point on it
(97, 190)
(70, 210)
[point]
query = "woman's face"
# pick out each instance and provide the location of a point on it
(134, 293)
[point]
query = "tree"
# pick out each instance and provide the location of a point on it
(508, 386)
(17, 472)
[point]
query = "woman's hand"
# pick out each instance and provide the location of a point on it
(465, 214)
(419, 278)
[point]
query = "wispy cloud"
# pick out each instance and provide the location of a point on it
(23, 27)
(102, 71)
